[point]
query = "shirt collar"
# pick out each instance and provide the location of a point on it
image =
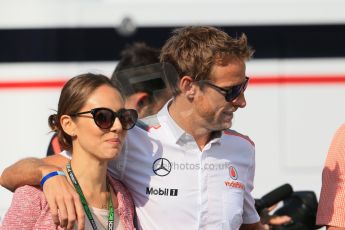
(164, 117)
(179, 135)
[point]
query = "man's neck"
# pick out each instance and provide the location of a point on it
(182, 113)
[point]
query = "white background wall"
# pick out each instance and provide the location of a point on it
(72, 13)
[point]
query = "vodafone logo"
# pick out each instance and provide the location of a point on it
(234, 184)
(234, 176)
(233, 173)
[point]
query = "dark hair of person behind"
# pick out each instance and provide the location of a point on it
(132, 58)
(73, 97)
(138, 54)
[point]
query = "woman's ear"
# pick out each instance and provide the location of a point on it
(68, 125)
(187, 87)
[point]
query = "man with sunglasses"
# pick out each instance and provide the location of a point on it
(188, 170)
(229, 93)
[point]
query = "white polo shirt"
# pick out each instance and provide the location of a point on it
(176, 186)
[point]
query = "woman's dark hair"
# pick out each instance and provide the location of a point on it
(73, 97)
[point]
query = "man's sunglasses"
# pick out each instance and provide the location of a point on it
(105, 118)
(230, 93)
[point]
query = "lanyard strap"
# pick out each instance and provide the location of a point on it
(84, 203)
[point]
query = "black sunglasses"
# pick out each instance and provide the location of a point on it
(105, 118)
(230, 93)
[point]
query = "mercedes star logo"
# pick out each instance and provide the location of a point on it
(161, 167)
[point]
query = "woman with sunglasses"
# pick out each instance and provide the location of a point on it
(91, 124)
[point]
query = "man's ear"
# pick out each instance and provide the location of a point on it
(142, 103)
(142, 99)
(68, 125)
(139, 101)
(187, 87)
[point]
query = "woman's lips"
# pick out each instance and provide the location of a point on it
(114, 140)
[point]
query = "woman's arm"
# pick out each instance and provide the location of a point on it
(25, 209)
(60, 195)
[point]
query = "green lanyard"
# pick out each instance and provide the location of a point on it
(84, 203)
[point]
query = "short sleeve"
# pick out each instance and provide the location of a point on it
(250, 214)
(332, 197)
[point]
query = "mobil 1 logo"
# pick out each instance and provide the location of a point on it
(161, 191)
